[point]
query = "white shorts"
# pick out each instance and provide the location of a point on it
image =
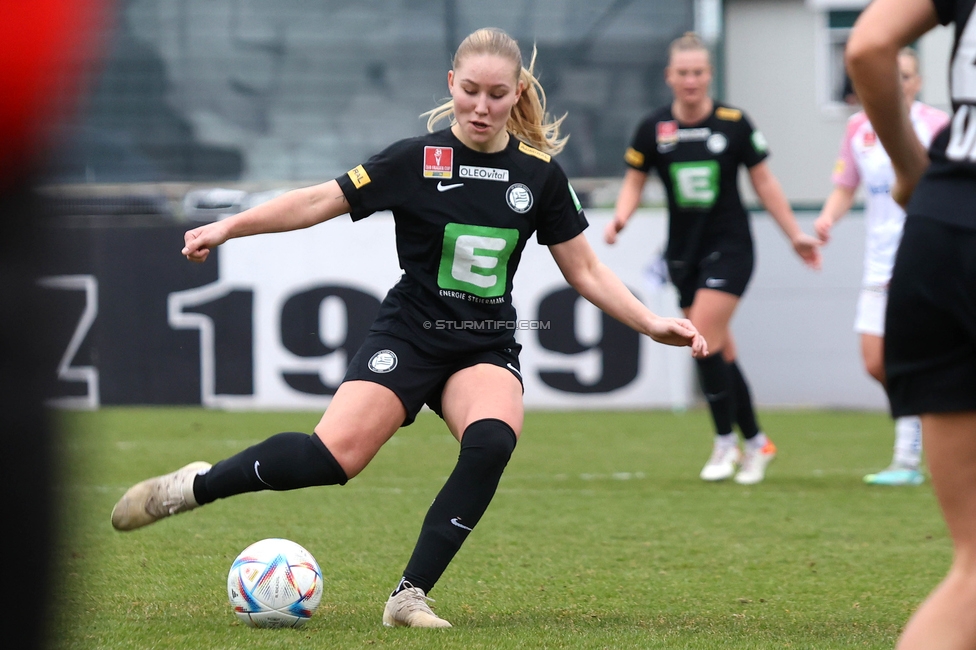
(871, 306)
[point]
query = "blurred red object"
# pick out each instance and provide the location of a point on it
(48, 50)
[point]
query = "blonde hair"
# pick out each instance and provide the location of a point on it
(529, 120)
(911, 54)
(688, 42)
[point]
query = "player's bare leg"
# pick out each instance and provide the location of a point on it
(360, 419)
(945, 620)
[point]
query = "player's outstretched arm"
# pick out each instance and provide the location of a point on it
(292, 210)
(601, 286)
(838, 204)
(771, 194)
(872, 63)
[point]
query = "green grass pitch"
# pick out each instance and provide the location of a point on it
(601, 535)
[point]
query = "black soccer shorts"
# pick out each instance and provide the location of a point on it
(930, 323)
(416, 377)
(726, 268)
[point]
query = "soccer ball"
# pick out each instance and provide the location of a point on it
(274, 583)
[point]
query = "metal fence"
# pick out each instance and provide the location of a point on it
(290, 90)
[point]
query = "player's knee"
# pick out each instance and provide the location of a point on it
(491, 441)
(348, 452)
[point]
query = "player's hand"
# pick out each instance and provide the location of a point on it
(679, 332)
(199, 241)
(808, 248)
(822, 227)
(610, 232)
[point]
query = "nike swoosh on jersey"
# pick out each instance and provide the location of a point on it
(441, 187)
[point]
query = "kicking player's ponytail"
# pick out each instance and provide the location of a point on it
(529, 120)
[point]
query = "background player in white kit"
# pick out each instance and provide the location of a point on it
(863, 160)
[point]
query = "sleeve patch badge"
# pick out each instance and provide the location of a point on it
(576, 201)
(532, 151)
(728, 114)
(634, 158)
(359, 177)
(438, 162)
(759, 142)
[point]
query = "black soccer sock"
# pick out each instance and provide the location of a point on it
(713, 373)
(745, 414)
(286, 461)
(486, 447)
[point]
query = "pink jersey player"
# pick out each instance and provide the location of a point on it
(863, 161)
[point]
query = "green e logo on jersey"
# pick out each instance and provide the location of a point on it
(474, 259)
(695, 183)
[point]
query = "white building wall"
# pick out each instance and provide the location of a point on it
(775, 58)
(770, 72)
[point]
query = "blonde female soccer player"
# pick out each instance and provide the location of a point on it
(466, 200)
(696, 145)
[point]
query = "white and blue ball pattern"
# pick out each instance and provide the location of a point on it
(274, 583)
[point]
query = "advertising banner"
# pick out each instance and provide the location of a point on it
(270, 321)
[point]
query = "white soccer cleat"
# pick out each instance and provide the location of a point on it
(157, 497)
(409, 608)
(722, 463)
(754, 464)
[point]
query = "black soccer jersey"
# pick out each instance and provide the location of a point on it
(947, 191)
(699, 168)
(462, 220)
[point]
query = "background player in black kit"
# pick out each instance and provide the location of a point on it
(930, 323)
(465, 201)
(696, 145)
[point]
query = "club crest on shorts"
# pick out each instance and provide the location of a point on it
(519, 197)
(383, 362)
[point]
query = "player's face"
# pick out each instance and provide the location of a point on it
(911, 81)
(689, 75)
(485, 88)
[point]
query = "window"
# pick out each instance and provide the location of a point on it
(838, 89)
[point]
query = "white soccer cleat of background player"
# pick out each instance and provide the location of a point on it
(722, 463)
(754, 463)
